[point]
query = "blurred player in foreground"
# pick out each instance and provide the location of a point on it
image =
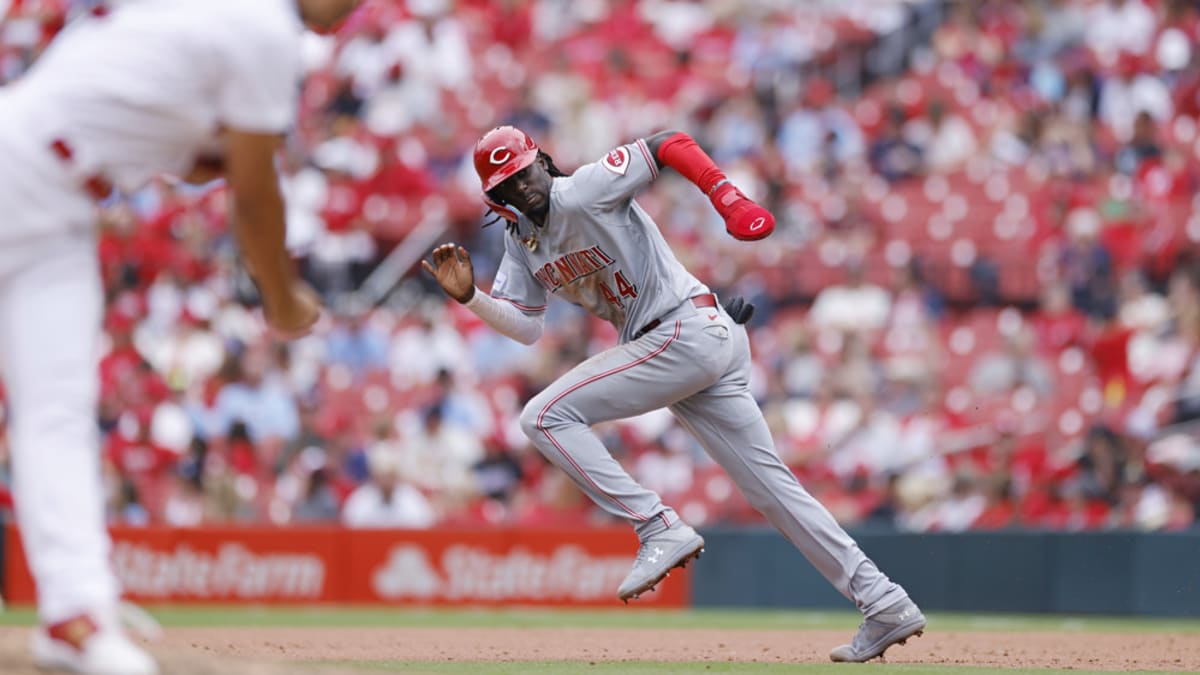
(150, 87)
(584, 238)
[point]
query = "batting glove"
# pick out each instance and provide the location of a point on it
(744, 219)
(738, 309)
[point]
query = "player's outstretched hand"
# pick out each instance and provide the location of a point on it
(453, 270)
(294, 313)
(744, 219)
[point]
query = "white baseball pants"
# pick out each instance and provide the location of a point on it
(51, 310)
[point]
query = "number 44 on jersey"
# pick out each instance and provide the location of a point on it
(624, 290)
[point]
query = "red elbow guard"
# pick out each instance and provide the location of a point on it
(682, 153)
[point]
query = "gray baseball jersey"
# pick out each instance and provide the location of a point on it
(600, 250)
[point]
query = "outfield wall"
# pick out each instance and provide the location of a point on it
(1053, 572)
(1075, 573)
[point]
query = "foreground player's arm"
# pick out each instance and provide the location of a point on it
(255, 98)
(289, 305)
(456, 275)
(743, 218)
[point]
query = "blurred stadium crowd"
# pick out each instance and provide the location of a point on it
(981, 308)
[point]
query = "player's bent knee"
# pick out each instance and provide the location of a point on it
(530, 423)
(539, 416)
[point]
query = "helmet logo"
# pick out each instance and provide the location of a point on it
(498, 160)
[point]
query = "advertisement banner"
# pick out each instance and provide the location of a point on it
(218, 565)
(499, 567)
(494, 567)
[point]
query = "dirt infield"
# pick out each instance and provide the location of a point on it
(271, 651)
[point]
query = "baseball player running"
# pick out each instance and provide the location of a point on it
(120, 96)
(584, 238)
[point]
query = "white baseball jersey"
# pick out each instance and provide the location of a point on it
(145, 90)
(598, 248)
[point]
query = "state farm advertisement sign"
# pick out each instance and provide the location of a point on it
(225, 566)
(271, 565)
(498, 567)
(221, 565)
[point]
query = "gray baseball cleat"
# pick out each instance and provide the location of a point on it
(892, 626)
(657, 556)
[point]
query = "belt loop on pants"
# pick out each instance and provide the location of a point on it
(698, 301)
(97, 186)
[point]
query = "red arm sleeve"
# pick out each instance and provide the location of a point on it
(744, 219)
(682, 153)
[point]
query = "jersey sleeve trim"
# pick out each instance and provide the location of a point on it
(641, 145)
(523, 308)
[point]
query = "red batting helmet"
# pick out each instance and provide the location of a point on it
(502, 152)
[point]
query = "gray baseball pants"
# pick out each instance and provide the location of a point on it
(697, 363)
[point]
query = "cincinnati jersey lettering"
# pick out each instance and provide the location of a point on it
(572, 266)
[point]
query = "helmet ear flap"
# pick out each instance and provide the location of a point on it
(503, 210)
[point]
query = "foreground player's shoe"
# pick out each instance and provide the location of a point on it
(90, 646)
(893, 625)
(657, 556)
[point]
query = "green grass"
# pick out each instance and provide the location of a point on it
(647, 668)
(227, 616)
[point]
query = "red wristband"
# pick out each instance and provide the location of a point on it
(682, 153)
